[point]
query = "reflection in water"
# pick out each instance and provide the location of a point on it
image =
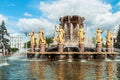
(118, 70)
(81, 72)
(72, 71)
(110, 69)
(98, 71)
(56, 70)
(59, 71)
(37, 70)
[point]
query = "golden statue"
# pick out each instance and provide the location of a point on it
(37, 40)
(60, 37)
(109, 38)
(42, 37)
(32, 37)
(112, 40)
(81, 34)
(98, 36)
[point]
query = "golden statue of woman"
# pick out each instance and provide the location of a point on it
(111, 35)
(32, 37)
(109, 38)
(81, 34)
(37, 40)
(98, 36)
(60, 37)
(42, 37)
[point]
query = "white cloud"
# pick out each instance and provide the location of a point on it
(27, 14)
(118, 4)
(15, 34)
(84, 8)
(28, 24)
(3, 18)
(96, 12)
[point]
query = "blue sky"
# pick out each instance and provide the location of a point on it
(17, 8)
(26, 15)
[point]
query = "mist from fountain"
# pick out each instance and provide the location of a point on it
(20, 54)
(69, 55)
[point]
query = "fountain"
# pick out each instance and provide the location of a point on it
(70, 42)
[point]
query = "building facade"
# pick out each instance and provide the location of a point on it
(16, 42)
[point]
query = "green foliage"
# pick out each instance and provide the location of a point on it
(14, 50)
(93, 40)
(117, 44)
(49, 40)
(3, 33)
(103, 45)
(28, 44)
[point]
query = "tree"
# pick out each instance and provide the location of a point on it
(49, 40)
(4, 42)
(117, 44)
(94, 40)
(13, 50)
(27, 45)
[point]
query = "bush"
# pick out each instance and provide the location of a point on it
(14, 50)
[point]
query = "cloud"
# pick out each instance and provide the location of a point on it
(28, 24)
(27, 14)
(2, 17)
(15, 34)
(85, 8)
(96, 12)
(118, 4)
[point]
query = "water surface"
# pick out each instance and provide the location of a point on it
(23, 69)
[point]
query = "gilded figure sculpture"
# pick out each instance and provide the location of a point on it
(32, 37)
(111, 42)
(98, 36)
(81, 34)
(60, 37)
(37, 40)
(42, 37)
(109, 38)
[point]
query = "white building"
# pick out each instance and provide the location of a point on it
(16, 42)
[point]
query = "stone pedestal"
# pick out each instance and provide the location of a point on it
(32, 47)
(98, 47)
(81, 47)
(60, 47)
(108, 48)
(42, 47)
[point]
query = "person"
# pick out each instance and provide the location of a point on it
(32, 37)
(98, 36)
(42, 37)
(81, 34)
(60, 37)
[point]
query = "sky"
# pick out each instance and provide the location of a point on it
(22, 16)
